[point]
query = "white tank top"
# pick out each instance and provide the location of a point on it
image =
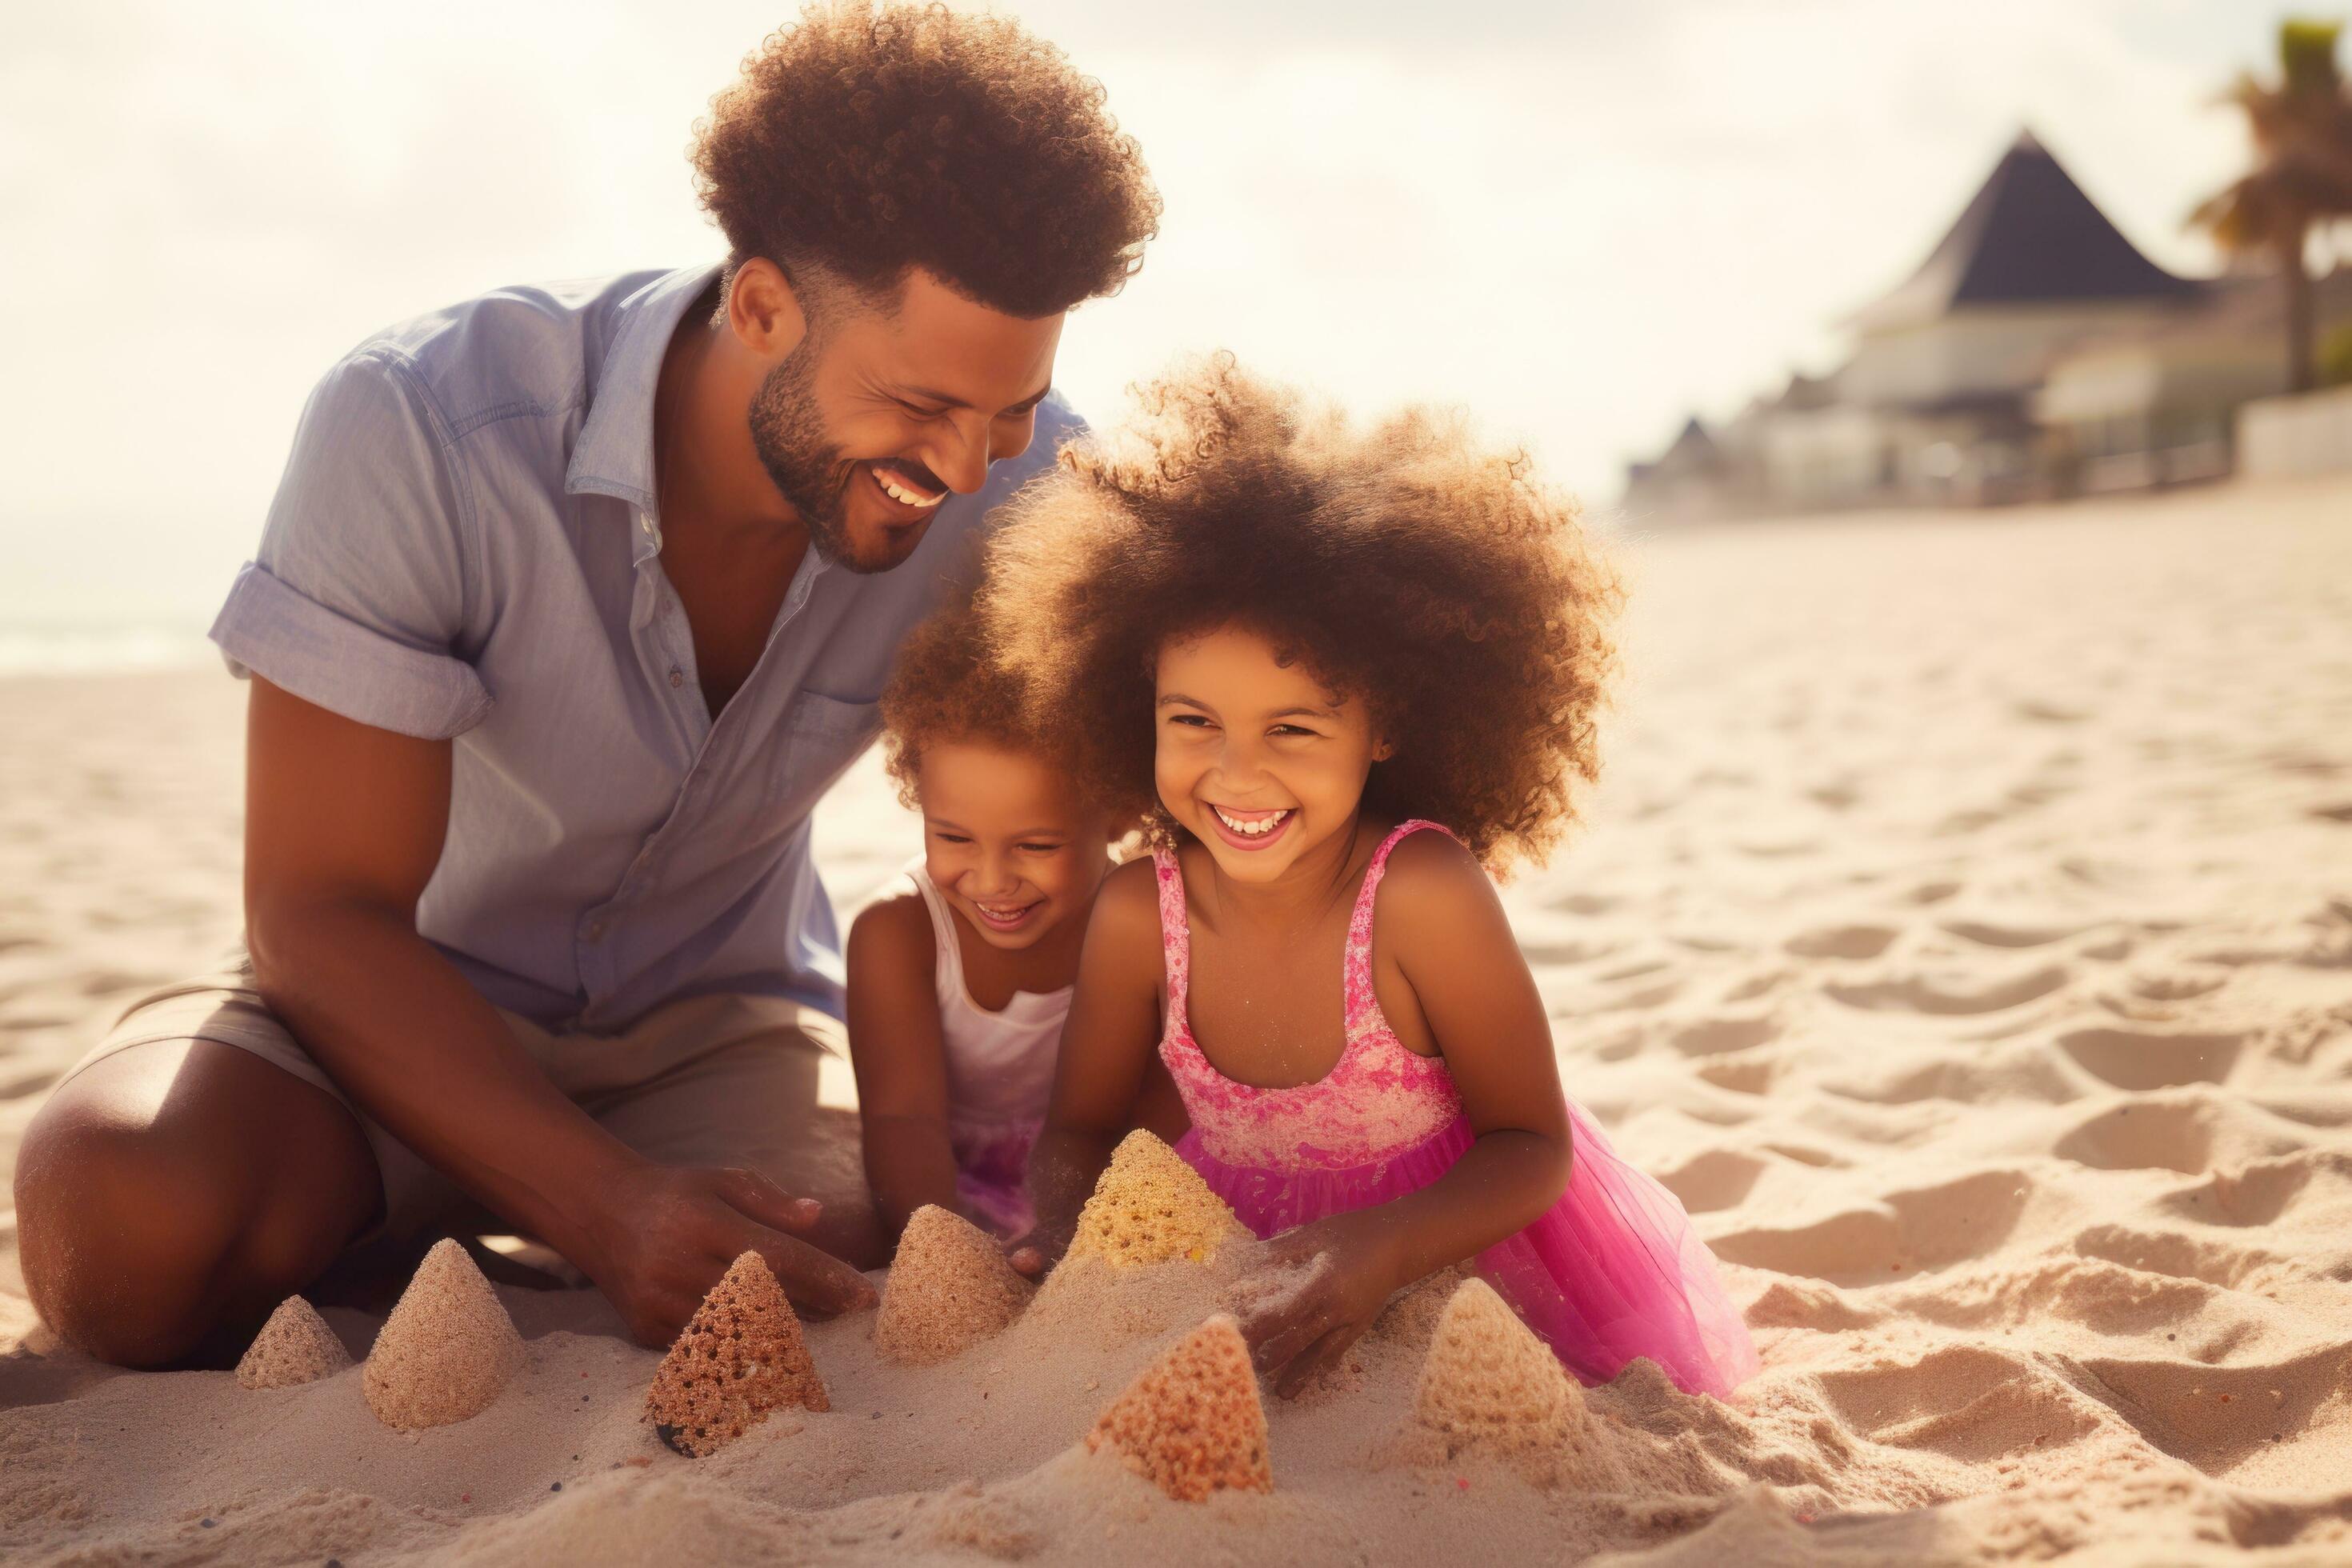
(999, 1065)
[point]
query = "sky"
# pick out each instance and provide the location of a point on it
(1583, 221)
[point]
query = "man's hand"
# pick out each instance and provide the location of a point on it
(668, 1235)
(1312, 1293)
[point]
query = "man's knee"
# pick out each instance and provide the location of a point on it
(139, 1232)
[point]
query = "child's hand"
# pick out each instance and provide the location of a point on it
(1038, 1249)
(1314, 1292)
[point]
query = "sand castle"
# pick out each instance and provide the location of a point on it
(1489, 1386)
(294, 1347)
(447, 1349)
(1150, 1206)
(1192, 1424)
(949, 1288)
(740, 1357)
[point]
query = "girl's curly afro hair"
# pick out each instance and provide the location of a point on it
(1402, 563)
(869, 140)
(945, 687)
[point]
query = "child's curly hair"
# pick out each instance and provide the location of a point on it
(1404, 563)
(945, 687)
(873, 139)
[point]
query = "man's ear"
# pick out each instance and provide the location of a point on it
(764, 310)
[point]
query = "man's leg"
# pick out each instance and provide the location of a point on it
(740, 1086)
(178, 1187)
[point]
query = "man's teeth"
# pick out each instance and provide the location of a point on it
(1263, 824)
(901, 494)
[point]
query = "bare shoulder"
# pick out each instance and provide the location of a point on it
(1434, 869)
(891, 932)
(1436, 899)
(1127, 904)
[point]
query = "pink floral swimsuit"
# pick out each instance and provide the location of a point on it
(1611, 1271)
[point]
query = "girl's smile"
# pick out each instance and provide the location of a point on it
(1254, 756)
(1008, 841)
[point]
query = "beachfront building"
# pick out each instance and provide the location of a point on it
(1939, 402)
(2161, 407)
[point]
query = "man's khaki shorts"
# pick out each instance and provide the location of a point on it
(756, 1081)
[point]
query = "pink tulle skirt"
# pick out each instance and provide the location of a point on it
(1610, 1272)
(993, 1175)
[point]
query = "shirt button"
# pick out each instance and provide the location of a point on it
(676, 678)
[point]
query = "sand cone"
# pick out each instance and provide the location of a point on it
(949, 1288)
(447, 1349)
(1192, 1424)
(295, 1346)
(1150, 1206)
(740, 1357)
(1489, 1386)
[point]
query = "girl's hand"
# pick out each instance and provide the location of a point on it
(1314, 1292)
(1036, 1250)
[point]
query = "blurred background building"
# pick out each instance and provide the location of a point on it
(2037, 354)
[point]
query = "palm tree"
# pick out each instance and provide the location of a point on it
(2301, 177)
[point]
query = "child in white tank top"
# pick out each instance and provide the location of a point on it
(959, 981)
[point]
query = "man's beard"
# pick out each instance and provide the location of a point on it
(787, 434)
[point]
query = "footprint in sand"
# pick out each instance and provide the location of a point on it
(1908, 1234)
(2145, 1135)
(1718, 1179)
(2218, 1418)
(1721, 1037)
(1966, 1402)
(1843, 942)
(2150, 1059)
(1808, 1304)
(2264, 1192)
(1970, 1080)
(2183, 1256)
(1746, 1076)
(1957, 994)
(1992, 933)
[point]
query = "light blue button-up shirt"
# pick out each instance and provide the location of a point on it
(467, 545)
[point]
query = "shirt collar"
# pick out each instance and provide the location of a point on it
(614, 454)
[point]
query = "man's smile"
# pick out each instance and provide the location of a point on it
(909, 485)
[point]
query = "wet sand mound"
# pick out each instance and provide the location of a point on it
(949, 1288)
(740, 1357)
(447, 1349)
(1192, 1424)
(294, 1347)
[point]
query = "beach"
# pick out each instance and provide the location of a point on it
(1962, 930)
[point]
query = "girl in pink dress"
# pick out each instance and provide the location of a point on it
(1344, 676)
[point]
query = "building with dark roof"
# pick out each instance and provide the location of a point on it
(1936, 403)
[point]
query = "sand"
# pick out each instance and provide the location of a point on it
(1963, 930)
(739, 1360)
(295, 1346)
(948, 1288)
(447, 1351)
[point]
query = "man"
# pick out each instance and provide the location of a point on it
(571, 604)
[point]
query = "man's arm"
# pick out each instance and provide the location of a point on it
(344, 825)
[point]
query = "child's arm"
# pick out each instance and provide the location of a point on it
(1105, 1053)
(1441, 918)
(900, 1059)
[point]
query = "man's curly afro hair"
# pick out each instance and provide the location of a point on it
(1402, 563)
(872, 139)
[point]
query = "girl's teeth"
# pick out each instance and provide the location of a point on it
(1253, 830)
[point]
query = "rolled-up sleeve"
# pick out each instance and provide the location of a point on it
(357, 601)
